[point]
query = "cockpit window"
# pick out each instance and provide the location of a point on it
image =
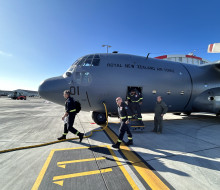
(95, 62)
(96, 57)
(92, 60)
(77, 61)
(81, 62)
(88, 62)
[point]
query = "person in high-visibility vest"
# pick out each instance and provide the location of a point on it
(125, 115)
(135, 100)
(69, 117)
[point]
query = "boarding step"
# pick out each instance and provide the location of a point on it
(136, 125)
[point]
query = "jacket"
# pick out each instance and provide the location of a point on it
(70, 105)
(160, 108)
(124, 112)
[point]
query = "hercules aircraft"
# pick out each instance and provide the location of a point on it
(97, 78)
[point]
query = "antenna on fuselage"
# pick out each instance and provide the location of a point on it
(147, 55)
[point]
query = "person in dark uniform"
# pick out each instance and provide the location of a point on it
(135, 100)
(159, 110)
(124, 114)
(69, 117)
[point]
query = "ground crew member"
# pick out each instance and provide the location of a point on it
(69, 116)
(124, 114)
(159, 110)
(135, 100)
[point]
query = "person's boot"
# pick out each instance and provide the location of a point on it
(62, 137)
(117, 145)
(81, 135)
(130, 142)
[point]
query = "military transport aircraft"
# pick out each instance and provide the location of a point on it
(97, 78)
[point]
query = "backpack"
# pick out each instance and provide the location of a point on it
(78, 106)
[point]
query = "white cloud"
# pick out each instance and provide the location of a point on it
(5, 54)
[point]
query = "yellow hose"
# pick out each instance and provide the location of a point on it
(53, 142)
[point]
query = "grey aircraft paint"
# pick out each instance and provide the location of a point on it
(98, 78)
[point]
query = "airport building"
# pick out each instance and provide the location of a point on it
(190, 59)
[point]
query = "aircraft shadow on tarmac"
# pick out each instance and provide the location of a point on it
(172, 145)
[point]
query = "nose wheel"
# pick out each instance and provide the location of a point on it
(99, 118)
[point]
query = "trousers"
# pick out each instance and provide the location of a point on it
(136, 109)
(158, 121)
(124, 128)
(69, 125)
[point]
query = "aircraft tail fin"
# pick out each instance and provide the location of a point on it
(214, 48)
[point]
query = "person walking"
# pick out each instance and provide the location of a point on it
(69, 117)
(125, 115)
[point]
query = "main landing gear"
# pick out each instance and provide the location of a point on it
(99, 118)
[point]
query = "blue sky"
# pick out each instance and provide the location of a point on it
(42, 38)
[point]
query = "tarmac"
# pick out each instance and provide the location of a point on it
(185, 156)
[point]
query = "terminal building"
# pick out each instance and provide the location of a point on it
(190, 59)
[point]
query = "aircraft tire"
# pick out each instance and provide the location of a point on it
(99, 118)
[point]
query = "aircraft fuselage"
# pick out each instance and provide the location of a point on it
(184, 87)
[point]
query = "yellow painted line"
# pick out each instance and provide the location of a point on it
(124, 171)
(61, 177)
(63, 164)
(60, 183)
(146, 173)
(46, 164)
(42, 172)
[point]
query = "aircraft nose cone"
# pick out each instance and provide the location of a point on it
(52, 89)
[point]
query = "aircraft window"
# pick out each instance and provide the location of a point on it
(87, 62)
(77, 61)
(96, 57)
(95, 62)
(81, 62)
(154, 91)
(168, 92)
(86, 77)
(90, 57)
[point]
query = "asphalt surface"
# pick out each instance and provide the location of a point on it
(185, 156)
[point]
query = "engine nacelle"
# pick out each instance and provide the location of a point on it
(208, 101)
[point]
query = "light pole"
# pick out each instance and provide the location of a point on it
(108, 46)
